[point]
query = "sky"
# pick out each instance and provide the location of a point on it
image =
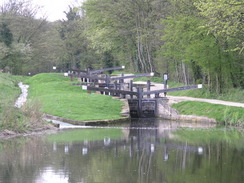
(53, 9)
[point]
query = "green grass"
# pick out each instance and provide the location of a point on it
(59, 98)
(9, 89)
(85, 134)
(223, 114)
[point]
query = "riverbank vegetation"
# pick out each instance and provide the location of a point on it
(59, 98)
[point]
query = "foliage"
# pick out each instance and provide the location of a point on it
(5, 35)
(28, 45)
(193, 41)
(59, 98)
(78, 54)
(189, 43)
(224, 19)
(127, 28)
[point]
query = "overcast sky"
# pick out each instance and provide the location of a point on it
(53, 9)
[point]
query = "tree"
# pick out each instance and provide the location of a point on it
(197, 51)
(5, 34)
(225, 19)
(127, 28)
(79, 54)
(33, 45)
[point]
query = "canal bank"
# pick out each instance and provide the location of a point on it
(164, 110)
(43, 84)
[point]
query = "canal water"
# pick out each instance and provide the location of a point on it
(143, 151)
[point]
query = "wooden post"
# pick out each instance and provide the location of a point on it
(107, 80)
(139, 95)
(148, 87)
(119, 89)
(116, 87)
(71, 76)
(122, 80)
(165, 82)
(131, 87)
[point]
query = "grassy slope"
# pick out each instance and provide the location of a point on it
(223, 114)
(61, 99)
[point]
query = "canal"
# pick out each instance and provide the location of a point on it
(141, 151)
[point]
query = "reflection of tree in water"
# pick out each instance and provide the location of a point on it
(19, 159)
(146, 155)
(153, 147)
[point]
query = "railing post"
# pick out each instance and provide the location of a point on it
(148, 87)
(165, 82)
(122, 80)
(107, 80)
(71, 76)
(131, 87)
(139, 97)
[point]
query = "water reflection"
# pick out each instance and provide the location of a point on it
(144, 152)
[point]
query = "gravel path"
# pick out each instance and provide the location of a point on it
(176, 99)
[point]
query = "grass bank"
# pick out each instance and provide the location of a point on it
(59, 98)
(223, 114)
(9, 90)
(12, 119)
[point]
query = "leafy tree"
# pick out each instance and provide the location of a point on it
(79, 54)
(225, 19)
(197, 52)
(127, 28)
(5, 35)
